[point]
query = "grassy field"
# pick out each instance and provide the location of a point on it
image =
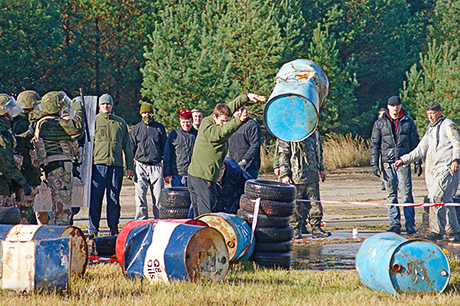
(104, 284)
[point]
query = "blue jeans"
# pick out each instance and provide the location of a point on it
(402, 178)
(253, 172)
(105, 179)
(178, 181)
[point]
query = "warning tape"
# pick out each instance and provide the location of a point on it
(383, 204)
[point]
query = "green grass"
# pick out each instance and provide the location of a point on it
(105, 285)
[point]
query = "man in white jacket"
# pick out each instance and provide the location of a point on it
(440, 147)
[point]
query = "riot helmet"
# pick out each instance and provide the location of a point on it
(28, 99)
(56, 101)
(8, 105)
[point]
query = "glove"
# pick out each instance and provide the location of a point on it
(27, 189)
(243, 163)
(418, 169)
(376, 170)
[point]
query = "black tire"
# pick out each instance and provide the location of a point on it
(10, 215)
(173, 213)
(264, 220)
(273, 247)
(270, 259)
(270, 190)
(175, 197)
(267, 207)
(105, 245)
(273, 234)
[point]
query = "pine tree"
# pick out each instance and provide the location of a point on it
(435, 79)
(187, 65)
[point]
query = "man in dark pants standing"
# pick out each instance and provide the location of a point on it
(111, 140)
(394, 135)
(244, 146)
(211, 147)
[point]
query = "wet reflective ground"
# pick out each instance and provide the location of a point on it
(333, 256)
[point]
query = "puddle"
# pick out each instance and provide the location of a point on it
(334, 256)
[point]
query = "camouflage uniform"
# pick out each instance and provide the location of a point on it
(8, 170)
(302, 162)
(20, 125)
(56, 147)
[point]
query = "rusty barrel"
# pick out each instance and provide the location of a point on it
(291, 112)
(236, 232)
(390, 263)
(176, 251)
(37, 257)
(133, 230)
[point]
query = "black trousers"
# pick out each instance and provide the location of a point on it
(203, 195)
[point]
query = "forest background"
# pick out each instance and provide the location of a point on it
(178, 54)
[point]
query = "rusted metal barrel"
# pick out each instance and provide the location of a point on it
(176, 251)
(291, 113)
(131, 230)
(390, 263)
(236, 232)
(37, 257)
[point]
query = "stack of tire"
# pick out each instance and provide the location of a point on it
(273, 233)
(174, 203)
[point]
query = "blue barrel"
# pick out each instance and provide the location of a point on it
(166, 251)
(291, 113)
(35, 257)
(390, 263)
(236, 232)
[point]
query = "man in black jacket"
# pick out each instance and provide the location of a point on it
(244, 146)
(178, 151)
(148, 138)
(394, 135)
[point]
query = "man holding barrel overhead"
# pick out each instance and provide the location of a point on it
(211, 147)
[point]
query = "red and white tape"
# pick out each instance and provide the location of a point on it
(384, 204)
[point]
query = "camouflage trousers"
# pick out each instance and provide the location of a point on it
(6, 201)
(26, 205)
(305, 212)
(60, 183)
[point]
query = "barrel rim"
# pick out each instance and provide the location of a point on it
(286, 94)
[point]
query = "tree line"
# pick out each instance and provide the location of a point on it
(178, 54)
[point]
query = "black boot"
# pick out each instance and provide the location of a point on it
(297, 233)
(318, 232)
(304, 230)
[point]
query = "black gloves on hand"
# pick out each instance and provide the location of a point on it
(27, 189)
(418, 169)
(376, 170)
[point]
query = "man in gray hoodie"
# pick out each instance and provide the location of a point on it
(440, 147)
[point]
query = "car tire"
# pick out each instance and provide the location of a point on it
(273, 234)
(270, 190)
(173, 213)
(263, 220)
(275, 208)
(276, 247)
(272, 259)
(175, 197)
(10, 215)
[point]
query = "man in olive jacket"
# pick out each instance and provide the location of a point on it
(111, 140)
(211, 147)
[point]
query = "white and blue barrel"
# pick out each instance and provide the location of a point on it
(389, 263)
(292, 111)
(236, 232)
(175, 251)
(37, 257)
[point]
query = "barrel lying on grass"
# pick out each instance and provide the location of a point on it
(390, 263)
(166, 250)
(35, 257)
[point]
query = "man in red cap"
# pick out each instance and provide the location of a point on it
(178, 151)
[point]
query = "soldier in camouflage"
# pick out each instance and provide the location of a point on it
(301, 164)
(27, 100)
(55, 150)
(9, 172)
